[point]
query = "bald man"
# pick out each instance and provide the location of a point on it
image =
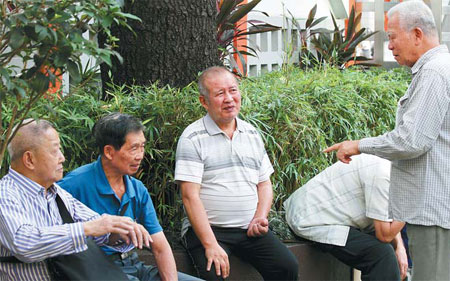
(31, 228)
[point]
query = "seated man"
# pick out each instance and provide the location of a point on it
(342, 207)
(224, 174)
(107, 187)
(31, 227)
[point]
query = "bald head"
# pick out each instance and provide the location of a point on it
(28, 137)
(207, 74)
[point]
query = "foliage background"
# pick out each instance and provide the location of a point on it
(299, 113)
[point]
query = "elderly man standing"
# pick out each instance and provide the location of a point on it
(31, 227)
(107, 186)
(419, 145)
(224, 173)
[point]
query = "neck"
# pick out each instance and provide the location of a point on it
(115, 179)
(32, 176)
(228, 128)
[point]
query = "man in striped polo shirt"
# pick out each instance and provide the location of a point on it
(224, 173)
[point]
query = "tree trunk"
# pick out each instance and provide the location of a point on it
(174, 42)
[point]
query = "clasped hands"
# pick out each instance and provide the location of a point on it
(123, 228)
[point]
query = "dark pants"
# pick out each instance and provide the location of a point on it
(376, 260)
(138, 271)
(267, 254)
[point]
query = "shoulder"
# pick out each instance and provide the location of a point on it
(8, 188)
(440, 64)
(194, 129)
(80, 174)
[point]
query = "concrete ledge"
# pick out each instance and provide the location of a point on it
(314, 264)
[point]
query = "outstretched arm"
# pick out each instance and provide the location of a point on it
(345, 150)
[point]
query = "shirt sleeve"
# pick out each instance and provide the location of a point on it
(147, 215)
(423, 111)
(376, 192)
(31, 243)
(189, 164)
(81, 213)
(266, 168)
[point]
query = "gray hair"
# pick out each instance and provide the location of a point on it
(213, 70)
(27, 137)
(412, 14)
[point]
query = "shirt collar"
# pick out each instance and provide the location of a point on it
(427, 57)
(26, 184)
(212, 128)
(103, 185)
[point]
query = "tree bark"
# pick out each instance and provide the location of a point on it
(174, 42)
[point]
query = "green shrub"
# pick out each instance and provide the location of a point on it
(298, 113)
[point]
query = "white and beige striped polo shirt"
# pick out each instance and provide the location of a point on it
(227, 169)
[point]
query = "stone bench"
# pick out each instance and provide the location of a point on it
(314, 264)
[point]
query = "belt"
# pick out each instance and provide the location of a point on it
(122, 256)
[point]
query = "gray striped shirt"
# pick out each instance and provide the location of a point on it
(419, 145)
(227, 169)
(31, 228)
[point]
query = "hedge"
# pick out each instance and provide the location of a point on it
(298, 113)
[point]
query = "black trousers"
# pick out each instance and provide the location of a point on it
(376, 260)
(267, 254)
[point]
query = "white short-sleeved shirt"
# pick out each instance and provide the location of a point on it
(341, 196)
(228, 170)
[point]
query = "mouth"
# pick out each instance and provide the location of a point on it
(229, 108)
(135, 167)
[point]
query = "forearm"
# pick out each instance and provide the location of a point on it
(164, 257)
(387, 231)
(32, 244)
(199, 221)
(397, 242)
(265, 197)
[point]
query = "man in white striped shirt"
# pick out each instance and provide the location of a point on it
(419, 145)
(224, 174)
(31, 227)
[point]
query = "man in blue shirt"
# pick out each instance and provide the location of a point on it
(106, 186)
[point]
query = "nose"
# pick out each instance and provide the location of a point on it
(140, 154)
(61, 157)
(390, 45)
(228, 97)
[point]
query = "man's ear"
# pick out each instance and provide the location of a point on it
(418, 35)
(28, 160)
(108, 151)
(203, 102)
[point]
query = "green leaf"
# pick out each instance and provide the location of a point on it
(50, 13)
(17, 38)
(74, 71)
(40, 82)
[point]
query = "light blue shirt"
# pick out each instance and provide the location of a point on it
(89, 184)
(32, 230)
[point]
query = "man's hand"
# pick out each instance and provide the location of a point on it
(219, 257)
(402, 259)
(345, 150)
(123, 226)
(258, 227)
